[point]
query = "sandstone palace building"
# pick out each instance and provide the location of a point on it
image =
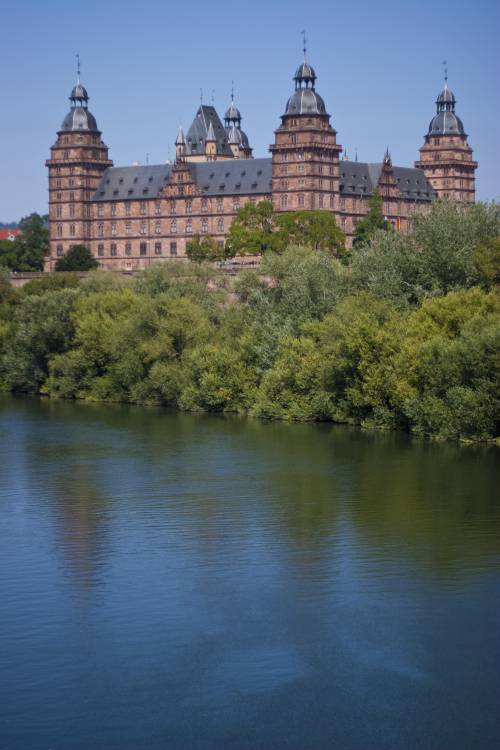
(133, 216)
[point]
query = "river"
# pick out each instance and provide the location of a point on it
(192, 582)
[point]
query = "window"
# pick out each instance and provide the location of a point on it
(172, 207)
(343, 223)
(100, 230)
(158, 227)
(71, 209)
(284, 201)
(301, 200)
(189, 226)
(157, 248)
(142, 229)
(204, 204)
(113, 228)
(113, 209)
(293, 138)
(128, 248)
(72, 196)
(173, 248)
(58, 183)
(72, 230)
(157, 208)
(332, 202)
(220, 225)
(342, 204)
(113, 249)
(128, 227)
(204, 226)
(142, 209)
(127, 209)
(71, 182)
(59, 251)
(189, 207)
(173, 226)
(301, 169)
(320, 200)
(58, 211)
(143, 248)
(100, 210)
(59, 196)
(220, 205)
(100, 249)
(66, 154)
(236, 204)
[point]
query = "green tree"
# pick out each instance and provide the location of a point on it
(487, 262)
(447, 237)
(27, 251)
(78, 258)
(315, 229)
(253, 230)
(206, 249)
(372, 222)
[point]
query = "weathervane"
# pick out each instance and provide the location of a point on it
(78, 66)
(232, 91)
(445, 66)
(304, 45)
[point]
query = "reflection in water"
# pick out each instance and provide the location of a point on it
(245, 584)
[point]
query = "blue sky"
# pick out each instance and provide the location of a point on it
(378, 65)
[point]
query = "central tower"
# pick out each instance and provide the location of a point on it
(305, 153)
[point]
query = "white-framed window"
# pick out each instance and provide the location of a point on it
(189, 226)
(173, 226)
(158, 227)
(204, 226)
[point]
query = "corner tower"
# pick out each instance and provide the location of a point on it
(305, 153)
(77, 161)
(446, 157)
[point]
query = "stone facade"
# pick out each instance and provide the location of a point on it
(131, 217)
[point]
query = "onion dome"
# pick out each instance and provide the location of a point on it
(305, 102)
(305, 72)
(79, 92)
(232, 112)
(446, 122)
(79, 117)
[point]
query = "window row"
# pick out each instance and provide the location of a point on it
(158, 229)
(157, 247)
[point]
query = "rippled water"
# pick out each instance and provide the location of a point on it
(182, 582)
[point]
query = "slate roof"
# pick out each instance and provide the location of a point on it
(132, 183)
(235, 177)
(248, 177)
(361, 178)
(197, 133)
(79, 118)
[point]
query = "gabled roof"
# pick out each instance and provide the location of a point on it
(197, 134)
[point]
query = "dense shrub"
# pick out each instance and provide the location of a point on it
(407, 336)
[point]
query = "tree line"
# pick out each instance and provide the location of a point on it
(402, 332)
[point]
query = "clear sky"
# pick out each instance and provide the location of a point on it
(378, 65)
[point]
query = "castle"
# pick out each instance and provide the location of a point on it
(131, 217)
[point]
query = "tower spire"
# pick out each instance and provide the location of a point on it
(77, 67)
(304, 45)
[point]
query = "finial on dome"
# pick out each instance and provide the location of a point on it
(78, 67)
(445, 69)
(232, 91)
(304, 45)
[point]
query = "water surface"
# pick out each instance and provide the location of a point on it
(184, 582)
